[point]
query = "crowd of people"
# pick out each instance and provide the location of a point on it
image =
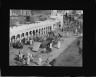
(48, 41)
(73, 24)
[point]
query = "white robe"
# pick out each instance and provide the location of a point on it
(28, 60)
(40, 60)
(30, 42)
(59, 44)
(51, 45)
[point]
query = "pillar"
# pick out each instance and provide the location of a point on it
(48, 28)
(31, 34)
(35, 33)
(28, 36)
(20, 38)
(38, 32)
(44, 30)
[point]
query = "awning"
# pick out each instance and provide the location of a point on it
(45, 43)
(36, 46)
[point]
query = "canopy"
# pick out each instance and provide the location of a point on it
(36, 46)
(45, 43)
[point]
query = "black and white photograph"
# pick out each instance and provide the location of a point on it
(46, 38)
(35, 76)
(48, 76)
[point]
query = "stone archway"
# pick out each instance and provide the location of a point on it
(18, 38)
(12, 39)
(30, 35)
(22, 38)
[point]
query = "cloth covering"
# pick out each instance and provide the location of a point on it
(36, 46)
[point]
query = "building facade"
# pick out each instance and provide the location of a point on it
(32, 30)
(40, 28)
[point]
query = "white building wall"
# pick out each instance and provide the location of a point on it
(30, 27)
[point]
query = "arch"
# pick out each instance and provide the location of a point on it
(22, 34)
(22, 37)
(30, 32)
(12, 39)
(50, 28)
(44, 30)
(34, 33)
(39, 32)
(18, 38)
(26, 33)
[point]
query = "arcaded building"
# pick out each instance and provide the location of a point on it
(39, 28)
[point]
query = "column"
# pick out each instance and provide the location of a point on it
(48, 28)
(31, 34)
(44, 30)
(52, 27)
(25, 37)
(14, 39)
(39, 32)
(34, 33)
(20, 38)
(28, 36)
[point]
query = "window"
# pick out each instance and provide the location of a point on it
(27, 18)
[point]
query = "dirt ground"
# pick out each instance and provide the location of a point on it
(70, 56)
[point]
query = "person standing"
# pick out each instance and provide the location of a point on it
(28, 58)
(30, 41)
(51, 45)
(59, 44)
(40, 61)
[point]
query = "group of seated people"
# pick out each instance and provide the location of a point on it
(72, 24)
(25, 41)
